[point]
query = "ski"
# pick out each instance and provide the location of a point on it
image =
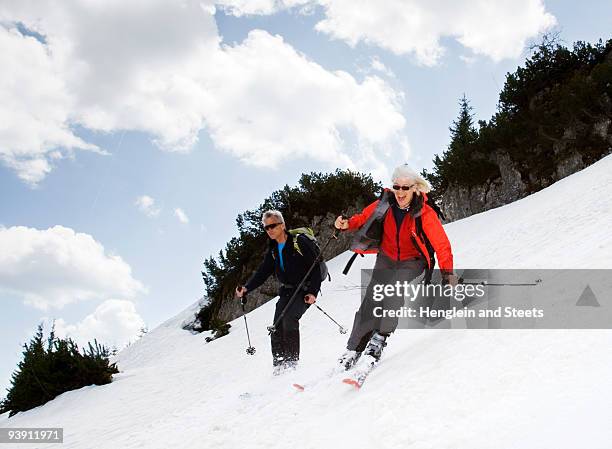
(331, 373)
(361, 374)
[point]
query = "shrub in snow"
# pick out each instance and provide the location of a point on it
(48, 370)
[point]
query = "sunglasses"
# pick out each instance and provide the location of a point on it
(398, 187)
(271, 226)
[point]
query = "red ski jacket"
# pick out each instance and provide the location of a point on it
(406, 244)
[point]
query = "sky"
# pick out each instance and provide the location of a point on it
(132, 135)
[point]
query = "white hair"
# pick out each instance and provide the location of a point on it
(404, 171)
(272, 213)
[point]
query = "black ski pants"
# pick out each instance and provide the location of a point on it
(286, 339)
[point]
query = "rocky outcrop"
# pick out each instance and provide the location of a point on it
(460, 201)
(517, 181)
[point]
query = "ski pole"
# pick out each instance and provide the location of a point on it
(493, 284)
(251, 349)
(272, 329)
(341, 328)
(461, 281)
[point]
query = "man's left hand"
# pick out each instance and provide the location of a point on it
(310, 299)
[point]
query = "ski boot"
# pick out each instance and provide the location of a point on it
(369, 361)
(375, 346)
(348, 359)
(290, 365)
(278, 365)
(284, 366)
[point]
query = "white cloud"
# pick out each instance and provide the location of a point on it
(497, 29)
(377, 65)
(240, 8)
(260, 7)
(259, 100)
(273, 104)
(35, 109)
(501, 29)
(146, 205)
(113, 323)
(57, 266)
(181, 215)
(469, 60)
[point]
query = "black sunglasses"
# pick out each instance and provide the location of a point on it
(398, 187)
(271, 226)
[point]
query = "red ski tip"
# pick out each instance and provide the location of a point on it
(299, 387)
(352, 382)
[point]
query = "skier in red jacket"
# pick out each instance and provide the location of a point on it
(402, 229)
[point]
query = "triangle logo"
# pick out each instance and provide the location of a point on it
(587, 298)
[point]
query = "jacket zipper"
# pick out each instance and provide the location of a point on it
(398, 242)
(397, 236)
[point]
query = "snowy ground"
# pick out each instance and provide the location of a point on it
(434, 389)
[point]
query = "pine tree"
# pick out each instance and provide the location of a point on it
(456, 161)
(463, 138)
(548, 111)
(45, 373)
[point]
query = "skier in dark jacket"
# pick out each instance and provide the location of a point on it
(401, 255)
(289, 259)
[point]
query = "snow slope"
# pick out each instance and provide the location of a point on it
(434, 389)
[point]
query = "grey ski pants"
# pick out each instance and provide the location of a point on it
(386, 271)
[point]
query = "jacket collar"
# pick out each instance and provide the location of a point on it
(416, 204)
(274, 244)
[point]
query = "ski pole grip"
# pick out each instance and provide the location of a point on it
(336, 230)
(243, 299)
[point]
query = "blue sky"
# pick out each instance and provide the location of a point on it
(199, 113)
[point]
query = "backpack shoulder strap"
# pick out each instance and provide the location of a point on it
(306, 232)
(431, 203)
(418, 224)
(349, 264)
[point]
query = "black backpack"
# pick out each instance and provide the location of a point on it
(309, 234)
